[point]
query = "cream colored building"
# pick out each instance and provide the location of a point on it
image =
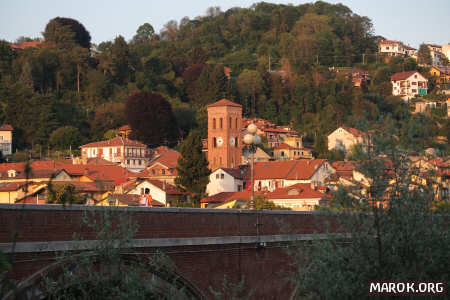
(344, 138)
(6, 139)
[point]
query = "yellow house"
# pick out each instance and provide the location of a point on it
(443, 78)
(9, 191)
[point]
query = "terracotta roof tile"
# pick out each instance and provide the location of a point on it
(402, 75)
(224, 102)
(296, 191)
(6, 127)
(117, 141)
(283, 147)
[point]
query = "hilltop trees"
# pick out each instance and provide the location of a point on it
(152, 120)
(65, 32)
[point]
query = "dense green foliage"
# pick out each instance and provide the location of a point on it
(279, 56)
(405, 240)
(193, 171)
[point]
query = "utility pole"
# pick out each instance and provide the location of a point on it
(364, 58)
(269, 64)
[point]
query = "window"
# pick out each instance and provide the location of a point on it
(153, 172)
(140, 162)
(147, 191)
(128, 161)
(217, 176)
(231, 123)
(387, 48)
(236, 142)
(214, 143)
(415, 76)
(414, 90)
(414, 83)
(221, 123)
(235, 125)
(222, 176)
(142, 191)
(214, 123)
(163, 172)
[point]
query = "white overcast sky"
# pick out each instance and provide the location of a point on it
(410, 21)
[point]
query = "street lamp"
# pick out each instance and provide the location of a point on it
(251, 139)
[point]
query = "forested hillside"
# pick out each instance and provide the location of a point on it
(273, 59)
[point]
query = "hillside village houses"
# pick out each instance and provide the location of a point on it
(409, 84)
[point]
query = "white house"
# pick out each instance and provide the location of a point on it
(409, 84)
(436, 54)
(126, 153)
(225, 180)
(343, 138)
(159, 190)
(392, 48)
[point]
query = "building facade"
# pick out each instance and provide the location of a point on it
(409, 84)
(6, 139)
(129, 154)
(224, 134)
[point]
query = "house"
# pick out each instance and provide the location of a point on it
(124, 131)
(442, 78)
(9, 191)
(436, 54)
(446, 51)
(393, 48)
(122, 151)
(6, 139)
(163, 165)
(225, 200)
(423, 106)
(275, 135)
(225, 180)
(292, 148)
(126, 200)
(409, 84)
(343, 138)
(300, 196)
(271, 175)
(360, 78)
(160, 191)
(259, 155)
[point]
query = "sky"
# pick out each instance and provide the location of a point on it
(411, 21)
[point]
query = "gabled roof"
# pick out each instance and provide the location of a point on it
(228, 196)
(283, 147)
(290, 170)
(403, 75)
(117, 141)
(13, 186)
(82, 186)
(234, 172)
(6, 127)
(224, 102)
(167, 157)
(297, 191)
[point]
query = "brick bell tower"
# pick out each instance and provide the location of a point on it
(224, 134)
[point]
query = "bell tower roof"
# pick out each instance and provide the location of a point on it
(224, 102)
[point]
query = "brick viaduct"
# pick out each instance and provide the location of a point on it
(204, 244)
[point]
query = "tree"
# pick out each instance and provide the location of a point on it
(65, 137)
(424, 55)
(144, 33)
(65, 32)
(120, 60)
(151, 119)
(193, 171)
(389, 233)
(250, 84)
(64, 193)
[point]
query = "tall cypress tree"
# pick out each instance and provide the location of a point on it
(193, 171)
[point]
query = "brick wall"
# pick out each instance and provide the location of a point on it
(264, 268)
